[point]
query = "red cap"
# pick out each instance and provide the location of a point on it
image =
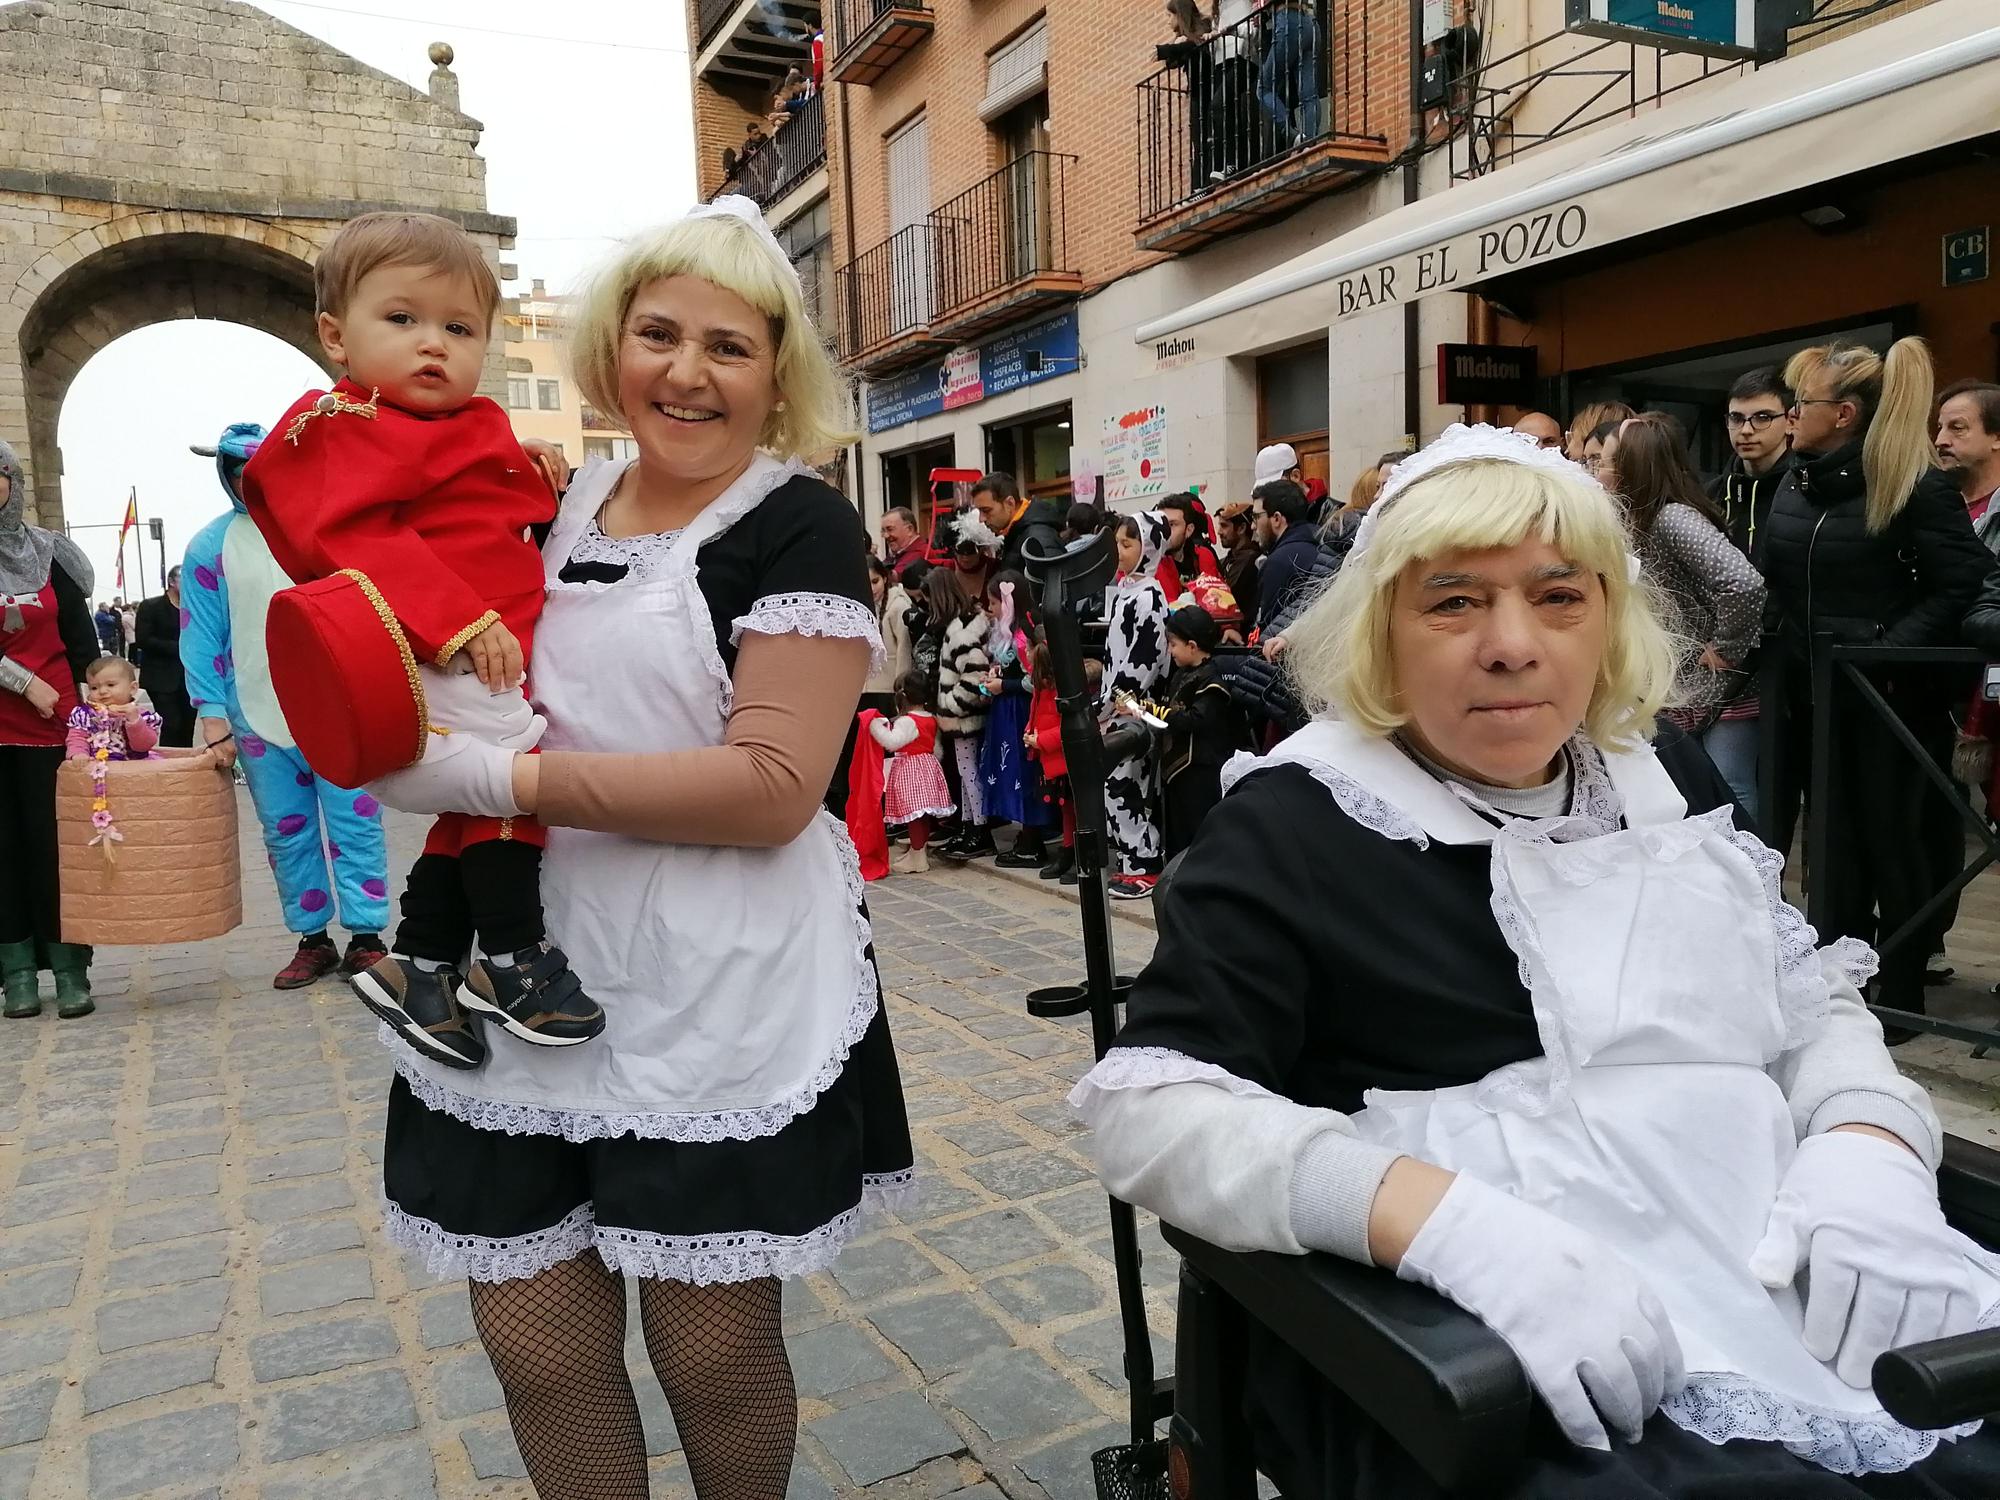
(346, 679)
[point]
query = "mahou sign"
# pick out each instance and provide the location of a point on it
(1544, 235)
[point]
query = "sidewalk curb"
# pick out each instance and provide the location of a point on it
(1139, 913)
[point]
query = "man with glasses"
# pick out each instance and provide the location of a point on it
(1761, 433)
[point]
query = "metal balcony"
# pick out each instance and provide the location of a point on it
(869, 37)
(784, 160)
(1254, 120)
(1003, 247)
(888, 296)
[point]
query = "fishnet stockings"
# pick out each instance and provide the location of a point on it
(557, 1342)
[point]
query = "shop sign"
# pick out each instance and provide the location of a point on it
(1174, 353)
(1133, 457)
(1041, 351)
(1966, 256)
(1714, 28)
(962, 385)
(1486, 375)
(1543, 235)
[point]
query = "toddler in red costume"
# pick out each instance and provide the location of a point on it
(403, 474)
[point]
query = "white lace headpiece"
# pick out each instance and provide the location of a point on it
(1456, 444)
(736, 206)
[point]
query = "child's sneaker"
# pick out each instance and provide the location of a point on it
(421, 1006)
(540, 1001)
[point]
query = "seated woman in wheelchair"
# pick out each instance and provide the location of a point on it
(1511, 1006)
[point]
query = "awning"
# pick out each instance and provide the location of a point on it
(1893, 90)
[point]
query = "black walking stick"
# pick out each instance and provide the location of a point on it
(1134, 1471)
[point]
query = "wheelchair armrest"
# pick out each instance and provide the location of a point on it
(1445, 1387)
(1969, 1190)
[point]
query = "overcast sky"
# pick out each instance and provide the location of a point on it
(588, 136)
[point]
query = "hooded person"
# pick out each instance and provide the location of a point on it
(47, 643)
(1135, 610)
(326, 844)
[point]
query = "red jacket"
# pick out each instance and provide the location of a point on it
(434, 509)
(1045, 721)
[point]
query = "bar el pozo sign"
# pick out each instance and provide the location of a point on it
(1462, 262)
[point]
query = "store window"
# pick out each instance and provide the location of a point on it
(1293, 400)
(517, 392)
(808, 244)
(548, 395)
(906, 480)
(1035, 450)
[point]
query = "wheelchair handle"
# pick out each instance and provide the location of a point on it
(1942, 1383)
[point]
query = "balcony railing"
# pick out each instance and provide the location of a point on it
(709, 15)
(1258, 115)
(784, 160)
(1003, 244)
(869, 37)
(887, 298)
(1505, 106)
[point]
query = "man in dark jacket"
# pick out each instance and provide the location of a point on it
(157, 633)
(1280, 509)
(1761, 434)
(1015, 521)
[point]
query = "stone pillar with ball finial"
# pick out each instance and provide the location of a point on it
(444, 82)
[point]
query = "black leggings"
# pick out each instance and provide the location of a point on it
(30, 885)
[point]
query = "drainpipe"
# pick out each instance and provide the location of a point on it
(847, 196)
(1412, 156)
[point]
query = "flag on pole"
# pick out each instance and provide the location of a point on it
(131, 520)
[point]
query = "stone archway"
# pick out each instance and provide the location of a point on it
(139, 269)
(190, 161)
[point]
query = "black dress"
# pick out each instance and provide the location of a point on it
(1306, 999)
(497, 1203)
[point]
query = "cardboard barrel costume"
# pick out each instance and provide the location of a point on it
(165, 869)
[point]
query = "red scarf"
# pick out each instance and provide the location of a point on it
(864, 800)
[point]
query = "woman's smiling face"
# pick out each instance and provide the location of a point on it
(696, 377)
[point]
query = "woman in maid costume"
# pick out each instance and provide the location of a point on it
(1511, 1006)
(707, 632)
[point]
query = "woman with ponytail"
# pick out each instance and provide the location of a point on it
(1868, 544)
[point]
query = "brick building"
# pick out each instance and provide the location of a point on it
(1067, 242)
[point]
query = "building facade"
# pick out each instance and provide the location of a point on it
(1114, 259)
(542, 400)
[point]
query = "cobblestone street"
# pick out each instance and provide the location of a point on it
(195, 1299)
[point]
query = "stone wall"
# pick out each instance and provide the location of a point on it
(166, 159)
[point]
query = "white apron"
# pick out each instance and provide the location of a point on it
(733, 981)
(1666, 975)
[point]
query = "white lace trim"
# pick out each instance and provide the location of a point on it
(1152, 1067)
(910, 815)
(1720, 1407)
(484, 1259)
(701, 1260)
(1854, 958)
(1803, 999)
(889, 1191)
(579, 1125)
(1372, 812)
(813, 614)
(640, 556)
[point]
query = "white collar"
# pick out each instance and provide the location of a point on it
(1385, 771)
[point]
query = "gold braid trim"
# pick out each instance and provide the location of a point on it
(451, 647)
(332, 403)
(388, 618)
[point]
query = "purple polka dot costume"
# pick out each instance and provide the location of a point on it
(325, 845)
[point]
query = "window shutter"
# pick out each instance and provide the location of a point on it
(1017, 72)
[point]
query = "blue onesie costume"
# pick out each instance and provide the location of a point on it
(223, 654)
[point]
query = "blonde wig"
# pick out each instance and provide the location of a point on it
(812, 415)
(1339, 653)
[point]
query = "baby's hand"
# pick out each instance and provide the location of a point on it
(496, 657)
(126, 711)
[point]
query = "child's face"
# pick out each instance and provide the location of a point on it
(1130, 552)
(110, 687)
(415, 332)
(1185, 653)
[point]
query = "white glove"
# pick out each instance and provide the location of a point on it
(459, 773)
(1572, 1310)
(1885, 1268)
(458, 702)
